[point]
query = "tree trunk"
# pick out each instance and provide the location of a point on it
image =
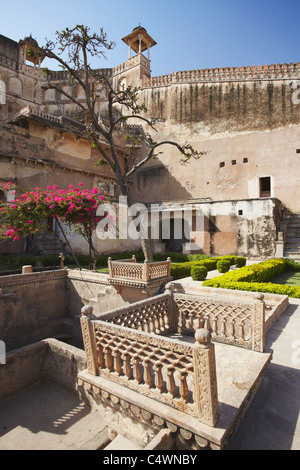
(145, 242)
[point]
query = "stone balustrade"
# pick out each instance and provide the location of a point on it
(172, 372)
(146, 272)
(237, 322)
(145, 347)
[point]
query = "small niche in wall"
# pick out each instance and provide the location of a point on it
(240, 212)
(245, 160)
(297, 150)
(233, 162)
(222, 164)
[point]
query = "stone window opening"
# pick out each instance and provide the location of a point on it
(222, 164)
(245, 160)
(233, 162)
(265, 186)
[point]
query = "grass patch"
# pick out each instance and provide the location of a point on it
(287, 278)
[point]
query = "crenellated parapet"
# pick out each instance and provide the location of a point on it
(266, 72)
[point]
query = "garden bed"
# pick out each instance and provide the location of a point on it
(256, 278)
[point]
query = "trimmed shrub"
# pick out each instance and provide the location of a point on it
(181, 270)
(223, 265)
(199, 273)
(240, 261)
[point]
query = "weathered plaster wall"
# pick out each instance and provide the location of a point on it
(32, 307)
(248, 130)
(48, 360)
(245, 227)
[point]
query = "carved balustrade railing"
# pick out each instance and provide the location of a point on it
(132, 346)
(145, 272)
(241, 323)
(170, 371)
(152, 315)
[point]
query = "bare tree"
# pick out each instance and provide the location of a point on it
(72, 50)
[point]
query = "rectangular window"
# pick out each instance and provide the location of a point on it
(265, 186)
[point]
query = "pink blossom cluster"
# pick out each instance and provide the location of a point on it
(75, 205)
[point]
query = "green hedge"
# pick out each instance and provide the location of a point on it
(267, 287)
(179, 271)
(240, 261)
(260, 272)
(252, 278)
(223, 266)
(199, 273)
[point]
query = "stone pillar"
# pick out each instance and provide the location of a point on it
(89, 339)
(27, 269)
(258, 324)
(173, 312)
(205, 385)
(109, 267)
(146, 273)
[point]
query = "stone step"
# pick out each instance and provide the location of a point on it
(121, 442)
(292, 247)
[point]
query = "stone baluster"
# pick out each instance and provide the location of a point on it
(147, 372)
(159, 382)
(108, 359)
(127, 365)
(205, 379)
(183, 387)
(171, 386)
(137, 373)
(117, 361)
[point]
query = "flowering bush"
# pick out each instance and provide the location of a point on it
(75, 206)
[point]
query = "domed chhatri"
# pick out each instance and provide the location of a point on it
(139, 27)
(31, 41)
(32, 50)
(139, 40)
